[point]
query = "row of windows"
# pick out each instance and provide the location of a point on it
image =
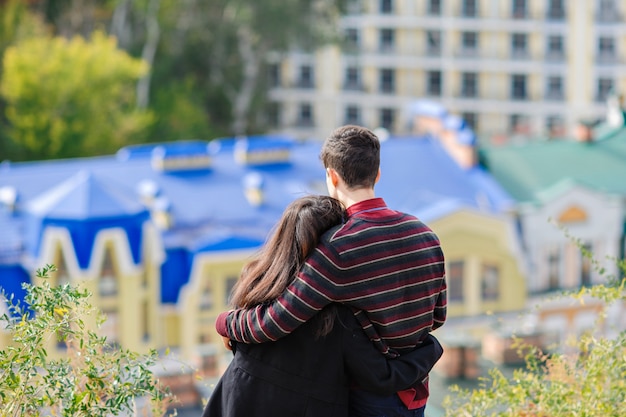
(606, 10)
(489, 282)
(606, 46)
(554, 124)
(554, 89)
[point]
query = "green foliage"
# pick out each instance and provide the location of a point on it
(71, 98)
(93, 379)
(588, 380)
(16, 23)
(182, 114)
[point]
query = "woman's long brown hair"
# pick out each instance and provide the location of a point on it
(295, 236)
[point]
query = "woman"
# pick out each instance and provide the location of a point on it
(307, 373)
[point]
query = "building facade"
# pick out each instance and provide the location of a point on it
(514, 67)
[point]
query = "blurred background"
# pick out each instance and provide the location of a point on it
(148, 146)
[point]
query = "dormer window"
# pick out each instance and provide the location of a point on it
(262, 150)
(182, 157)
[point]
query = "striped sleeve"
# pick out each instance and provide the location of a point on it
(305, 296)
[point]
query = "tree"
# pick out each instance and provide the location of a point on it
(591, 382)
(93, 380)
(16, 23)
(245, 34)
(68, 98)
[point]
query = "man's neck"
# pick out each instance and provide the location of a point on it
(350, 197)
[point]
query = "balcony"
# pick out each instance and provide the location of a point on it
(469, 92)
(609, 16)
(305, 84)
(304, 122)
(520, 54)
(555, 95)
(555, 15)
(555, 56)
(607, 58)
(353, 86)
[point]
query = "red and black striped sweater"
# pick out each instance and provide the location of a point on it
(387, 265)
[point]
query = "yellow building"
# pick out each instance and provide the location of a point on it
(533, 67)
(482, 267)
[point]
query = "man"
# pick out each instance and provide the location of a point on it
(387, 265)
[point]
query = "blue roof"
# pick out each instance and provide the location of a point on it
(417, 175)
(209, 208)
(86, 196)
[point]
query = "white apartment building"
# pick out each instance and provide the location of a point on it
(527, 67)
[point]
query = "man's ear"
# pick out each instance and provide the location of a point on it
(377, 177)
(334, 177)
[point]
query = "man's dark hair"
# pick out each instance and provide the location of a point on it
(354, 152)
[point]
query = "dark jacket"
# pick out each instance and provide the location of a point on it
(302, 375)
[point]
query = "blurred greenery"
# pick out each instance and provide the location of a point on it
(585, 378)
(90, 380)
(71, 98)
(203, 71)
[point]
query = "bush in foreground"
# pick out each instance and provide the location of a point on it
(93, 379)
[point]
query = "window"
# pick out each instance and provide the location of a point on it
(519, 9)
(230, 283)
(274, 114)
(305, 79)
(554, 267)
(607, 11)
(386, 41)
(554, 88)
(274, 75)
(109, 327)
(471, 119)
(518, 45)
(434, 7)
(386, 6)
(353, 79)
(305, 115)
(585, 265)
(555, 126)
(605, 86)
(387, 80)
(469, 88)
(351, 40)
(518, 87)
(490, 282)
(469, 41)
(433, 87)
(107, 285)
(469, 8)
(555, 48)
(206, 297)
(556, 10)
(433, 38)
(455, 281)
(606, 49)
(518, 123)
(353, 115)
(387, 118)
(354, 6)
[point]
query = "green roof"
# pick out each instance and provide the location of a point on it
(527, 170)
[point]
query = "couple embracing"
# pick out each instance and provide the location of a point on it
(333, 316)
